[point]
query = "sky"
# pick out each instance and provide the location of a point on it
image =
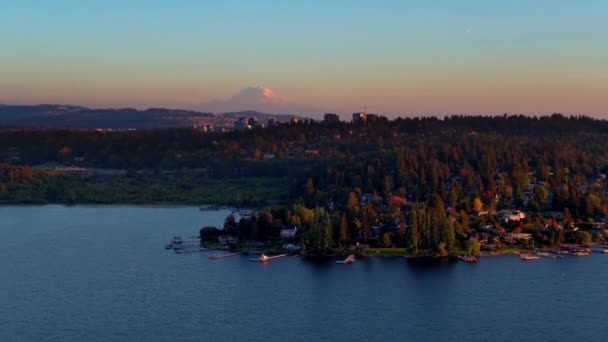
(397, 57)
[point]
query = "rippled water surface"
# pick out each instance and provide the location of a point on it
(89, 273)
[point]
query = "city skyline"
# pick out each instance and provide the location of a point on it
(398, 57)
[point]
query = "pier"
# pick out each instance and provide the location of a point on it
(263, 258)
(215, 257)
(179, 245)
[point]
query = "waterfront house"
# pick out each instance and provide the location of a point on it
(514, 237)
(366, 198)
(507, 216)
(292, 247)
(289, 232)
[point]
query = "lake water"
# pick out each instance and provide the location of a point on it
(90, 273)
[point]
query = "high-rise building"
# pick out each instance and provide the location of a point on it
(359, 118)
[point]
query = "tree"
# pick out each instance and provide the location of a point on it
(64, 153)
(583, 238)
(367, 219)
(310, 187)
(387, 185)
(541, 193)
(230, 223)
(318, 239)
(567, 216)
(477, 204)
(413, 234)
(441, 249)
(209, 234)
(473, 247)
(386, 240)
(352, 204)
(344, 233)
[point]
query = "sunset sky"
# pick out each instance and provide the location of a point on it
(398, 57)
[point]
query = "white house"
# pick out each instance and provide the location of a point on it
(289, 232)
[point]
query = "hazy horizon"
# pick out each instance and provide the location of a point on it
(397, 57)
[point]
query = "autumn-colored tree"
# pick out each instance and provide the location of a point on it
(65, 153)
(396, 201)
(386, 240)
(477, 204)
(344, 233)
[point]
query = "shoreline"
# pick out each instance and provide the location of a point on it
(553, 251)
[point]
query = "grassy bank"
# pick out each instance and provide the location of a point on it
(386, 252)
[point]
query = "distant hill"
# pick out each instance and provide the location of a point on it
(47, 116)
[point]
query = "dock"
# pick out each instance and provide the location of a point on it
(263, 258)
(528, 257)
(215, 257)
(349, 260)
(468, 258)
(180, 245)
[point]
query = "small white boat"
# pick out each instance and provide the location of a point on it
(263, 258)
(349, 260)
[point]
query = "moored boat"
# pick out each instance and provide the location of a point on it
(528, 257)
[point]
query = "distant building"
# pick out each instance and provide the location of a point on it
(253, 122)
(359, 118)
(294, 120)
(242, 124)
(330, 117)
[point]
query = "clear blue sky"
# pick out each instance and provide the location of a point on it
(399, 57)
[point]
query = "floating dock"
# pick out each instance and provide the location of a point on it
(215, 257)
(265, 258)
(349, 260)
(468, 258)
(179, 245)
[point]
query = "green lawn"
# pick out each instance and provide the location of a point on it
(386, 252)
